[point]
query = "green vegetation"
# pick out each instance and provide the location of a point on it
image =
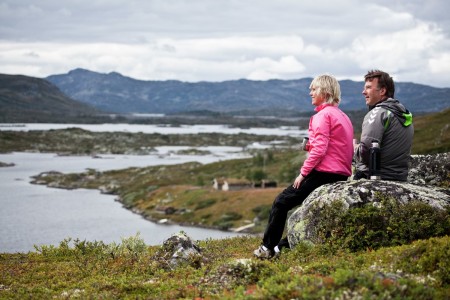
(30, 99)
(130, 270)
(432, 133)
(389, 223)
(76, 141)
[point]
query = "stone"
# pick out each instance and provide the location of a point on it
(357, 193)
(431, 169)
(2, 164)
(180, 249)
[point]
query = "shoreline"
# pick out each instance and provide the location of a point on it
(167, 221)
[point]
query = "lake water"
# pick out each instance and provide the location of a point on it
(162, 128)
(37, 215)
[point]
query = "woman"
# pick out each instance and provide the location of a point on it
(329, 160)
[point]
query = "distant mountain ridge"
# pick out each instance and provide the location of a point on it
(28, 99)
(117, 93)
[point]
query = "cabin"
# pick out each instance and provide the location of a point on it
(234, 184)
(231, 184)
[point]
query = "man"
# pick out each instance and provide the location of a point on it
(389, 123)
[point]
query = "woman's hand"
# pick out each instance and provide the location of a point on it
(298, 181)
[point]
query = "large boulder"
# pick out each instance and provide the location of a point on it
(428, 182)
(357, 193)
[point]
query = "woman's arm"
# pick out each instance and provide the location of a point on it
(320, 127)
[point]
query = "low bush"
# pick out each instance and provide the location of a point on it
(373, 226)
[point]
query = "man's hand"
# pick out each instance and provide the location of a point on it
(298, 181)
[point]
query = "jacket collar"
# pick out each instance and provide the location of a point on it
(322, 106)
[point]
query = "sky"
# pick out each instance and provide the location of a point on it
(218, 40)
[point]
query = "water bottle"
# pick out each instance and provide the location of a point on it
(375, 161)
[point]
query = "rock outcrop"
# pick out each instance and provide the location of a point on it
(432, 169)
(179, 249)
(429, 174)
(2, 164)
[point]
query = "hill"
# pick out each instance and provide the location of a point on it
(30, 99)
(432, 133)
(117, 93)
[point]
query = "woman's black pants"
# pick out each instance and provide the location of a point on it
(290, 198)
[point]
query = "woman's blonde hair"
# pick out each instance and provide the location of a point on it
(329, 87)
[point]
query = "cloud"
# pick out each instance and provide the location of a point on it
(402, 52)
(440, 65)
(192, 60)
(233, 47)
(202, 40)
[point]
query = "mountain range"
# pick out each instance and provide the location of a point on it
(66, 97)
(116, 93)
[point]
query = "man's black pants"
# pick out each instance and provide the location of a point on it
(290, 198)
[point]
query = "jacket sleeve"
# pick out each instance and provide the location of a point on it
(320, 129)
(372, 130)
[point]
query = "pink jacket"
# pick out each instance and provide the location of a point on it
(331, 142)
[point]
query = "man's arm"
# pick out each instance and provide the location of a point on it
(372, 130)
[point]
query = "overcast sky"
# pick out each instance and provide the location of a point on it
(217, 40)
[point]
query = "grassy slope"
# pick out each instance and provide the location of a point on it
(432, 133)
(227, 271)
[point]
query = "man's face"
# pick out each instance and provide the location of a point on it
(372, 93)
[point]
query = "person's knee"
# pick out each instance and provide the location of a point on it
(280, 203)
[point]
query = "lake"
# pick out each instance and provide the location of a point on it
(162, 128)
(37, 215)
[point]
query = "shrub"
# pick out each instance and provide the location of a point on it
(262, 211)
(205, 203)
(427, 257)
(388, 224)
(226, 220)
(132, 247)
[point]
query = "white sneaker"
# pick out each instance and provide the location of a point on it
(263, 253)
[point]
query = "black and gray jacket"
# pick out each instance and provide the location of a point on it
(390, 124)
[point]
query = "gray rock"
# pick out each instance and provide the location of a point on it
(179, 249)
(2, 164)
(109, 189)
(357, 194)
(432, 169)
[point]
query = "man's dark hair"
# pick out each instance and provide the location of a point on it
(384, 81)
